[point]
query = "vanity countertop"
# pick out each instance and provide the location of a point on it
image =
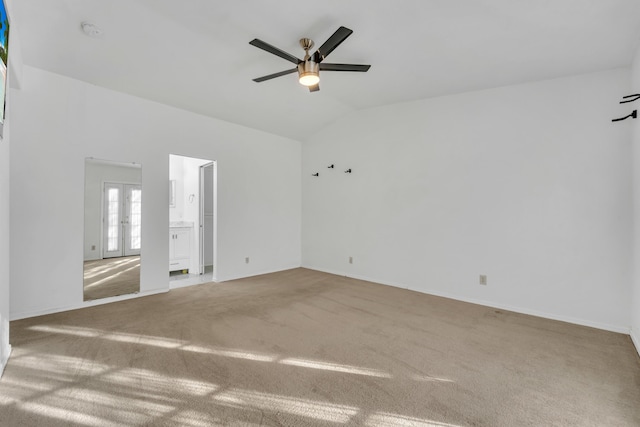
(181, 224)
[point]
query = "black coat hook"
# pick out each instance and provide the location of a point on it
(316, 174)
(634, 96)
(633, 115)
(348, 171)
(330, 167)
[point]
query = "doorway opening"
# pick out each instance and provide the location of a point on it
(192, 220)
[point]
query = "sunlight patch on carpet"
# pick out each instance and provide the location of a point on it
(427, 378)
(66, 415)
(109, 268)
(314, 364)
(382, 419)
(183, 345)
(151, 382)
(233, 353)
(301, 407)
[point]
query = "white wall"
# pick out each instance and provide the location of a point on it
(14, 75)
(528, 184)
(96, 174)
(59, 121)
(635, 302)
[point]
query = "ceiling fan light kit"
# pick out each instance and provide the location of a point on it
(309, 68)
(308, 73)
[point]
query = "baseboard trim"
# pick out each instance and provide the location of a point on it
(220, 279)
(42, 312)
(635, 339)
(84, 304)
(516, 309)
(177, 285)
(4, 361)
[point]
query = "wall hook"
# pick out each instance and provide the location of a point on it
(634, 96)
(348, 171)
(633, 115)
(316, 174)
(330, 167)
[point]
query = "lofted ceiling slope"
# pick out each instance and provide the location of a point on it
(195, 54)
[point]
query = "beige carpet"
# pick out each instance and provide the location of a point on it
(303, 348)
(111, 277)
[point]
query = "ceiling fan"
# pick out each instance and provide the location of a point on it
(309, 68)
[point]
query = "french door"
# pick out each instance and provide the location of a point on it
(122, 219)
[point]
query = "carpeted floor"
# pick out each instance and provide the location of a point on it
(304, 348)
(111, 277)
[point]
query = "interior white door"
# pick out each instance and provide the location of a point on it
(206, 216)
(122, 219)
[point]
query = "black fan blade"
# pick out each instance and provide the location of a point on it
(274, 75)
(314, 88)
(338, 37)
(344, 67)
(272, 49)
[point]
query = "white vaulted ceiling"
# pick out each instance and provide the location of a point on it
(195, 54)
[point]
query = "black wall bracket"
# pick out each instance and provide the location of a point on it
(633, 115)
(632, 98)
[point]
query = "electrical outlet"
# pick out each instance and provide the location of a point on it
(350, 260)
(246, 260)
(93, 247)
(483, 279)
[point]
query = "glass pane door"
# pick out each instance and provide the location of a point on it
(133, 220)
(112, 220)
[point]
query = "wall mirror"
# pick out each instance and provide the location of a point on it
(112, 228)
